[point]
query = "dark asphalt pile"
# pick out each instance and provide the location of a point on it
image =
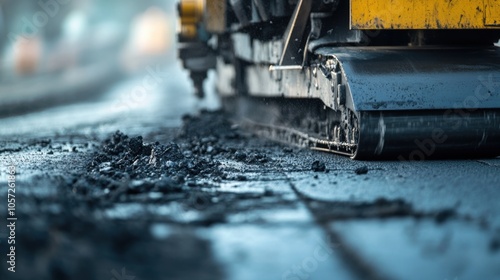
(185, 170)
(193, 156)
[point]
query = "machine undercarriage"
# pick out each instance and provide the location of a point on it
(302, 73)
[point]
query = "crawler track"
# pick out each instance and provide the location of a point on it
(415, 135)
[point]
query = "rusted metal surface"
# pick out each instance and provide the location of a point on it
(215, 17)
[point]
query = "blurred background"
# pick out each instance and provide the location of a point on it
(48, 36)
(60, 51)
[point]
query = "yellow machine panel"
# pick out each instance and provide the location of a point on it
(425, 14)
(191, 12)
(492, 12)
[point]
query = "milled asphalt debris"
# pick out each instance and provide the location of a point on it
(129, 183)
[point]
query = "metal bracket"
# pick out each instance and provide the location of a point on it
(284, 67)
(294, 41)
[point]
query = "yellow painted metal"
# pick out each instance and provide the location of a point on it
(188, 31)
(492, 12)
(191, 13)
(425, 14)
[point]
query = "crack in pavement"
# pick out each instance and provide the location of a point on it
(487, 163)
(325, 212)
(358, 266)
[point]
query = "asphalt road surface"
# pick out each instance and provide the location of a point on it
(196, 197)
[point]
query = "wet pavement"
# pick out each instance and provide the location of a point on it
(198, 198)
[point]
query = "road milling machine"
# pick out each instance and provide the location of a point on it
(370, 79)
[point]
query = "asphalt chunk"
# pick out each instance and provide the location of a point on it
(444, 215)
(361, 170)
(318, 166)
(135, 145)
